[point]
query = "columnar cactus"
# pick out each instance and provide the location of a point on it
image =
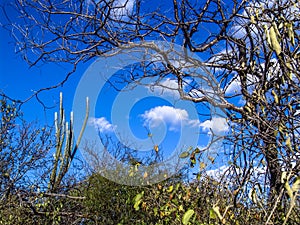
(65, 149)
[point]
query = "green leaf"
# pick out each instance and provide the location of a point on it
(180, 208)
(187, 216)
(138, 200)
(212, 214)
(170, 189)
(177, 186)
(138, 196)
(137, 205)
(193, 162)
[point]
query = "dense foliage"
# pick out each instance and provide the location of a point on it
(96, 200)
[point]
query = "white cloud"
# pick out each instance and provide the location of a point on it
(217, 125)
(258, 173)
(222, 57)
(122, 8)
(179, 117)
(168, 115)
(217, 173)
(195, 93)
(258, 7)
(168, 87)
(102, 124)
(234, 87)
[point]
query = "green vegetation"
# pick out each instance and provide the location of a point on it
(96, 200)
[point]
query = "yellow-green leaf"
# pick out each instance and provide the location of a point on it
(170, 188)
(288, 143)
(212, 214)
(138, 200)
(138, 196)
(291, 33)
(274, 40)
(197, 150)
(193, 161)
(275, 97)
(274, 25)
(137, 205)
(184, 155)
(202, 165)
(177, 186)
(187, 216)
(180, 208)
(296, 185)
(267, 33)
(288, 189)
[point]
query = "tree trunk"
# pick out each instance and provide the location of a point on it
(274, 170)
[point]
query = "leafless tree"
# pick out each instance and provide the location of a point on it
(23, 151)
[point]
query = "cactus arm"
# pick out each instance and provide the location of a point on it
(82, 128)
(65, 150)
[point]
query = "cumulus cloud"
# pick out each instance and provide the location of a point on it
(174, 118)
(257, 175)
(169, 115)
(102, 124)
(168, 87)
(258, 7)
(234, 87)
(217, 125)
(122, 8)
(218, 172)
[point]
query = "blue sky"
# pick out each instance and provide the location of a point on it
(170, 121)
(18, 81)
